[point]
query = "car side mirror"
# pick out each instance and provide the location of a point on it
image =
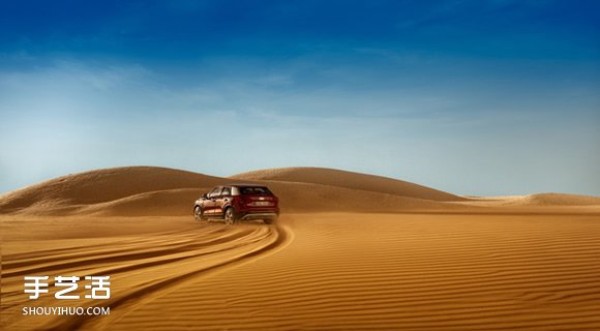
(205, 195)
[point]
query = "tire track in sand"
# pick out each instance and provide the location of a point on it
(139, 271)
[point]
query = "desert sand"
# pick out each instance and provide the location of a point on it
(350, 251)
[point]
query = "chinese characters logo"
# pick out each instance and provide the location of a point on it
(98, 286)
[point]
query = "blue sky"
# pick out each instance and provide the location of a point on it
(473, 97)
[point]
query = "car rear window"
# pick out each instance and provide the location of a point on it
(260, 190)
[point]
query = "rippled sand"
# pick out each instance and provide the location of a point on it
(314, 271)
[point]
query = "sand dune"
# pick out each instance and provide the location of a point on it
(174, 202)
(350, 180)
(295, 197)
(138, 191)
(555, 201)
(558, 199)
(305, 197)
(386, 255)
(72, 192)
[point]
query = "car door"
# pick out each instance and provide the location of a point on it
(222, 200)
(210, 203)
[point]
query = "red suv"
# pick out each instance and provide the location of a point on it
(238, 202)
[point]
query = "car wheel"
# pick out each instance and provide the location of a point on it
(230, 216)
(198, 214)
